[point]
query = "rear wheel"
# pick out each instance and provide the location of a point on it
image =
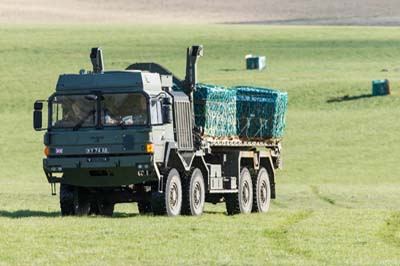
(261, 192)
(94, 208)
(106, 208)
(241, 202)
(144, 207)
(169, 202)
(193, 194)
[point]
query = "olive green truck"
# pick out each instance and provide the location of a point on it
(128, 136)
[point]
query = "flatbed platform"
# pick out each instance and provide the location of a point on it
(239, 142)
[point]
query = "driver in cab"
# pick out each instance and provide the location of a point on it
(138, 115)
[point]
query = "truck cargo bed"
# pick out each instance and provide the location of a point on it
(240, 142)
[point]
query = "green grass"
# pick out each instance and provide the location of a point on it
(338, 196)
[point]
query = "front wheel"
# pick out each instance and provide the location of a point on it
(81, 202)
(67, 200)
(169, 202)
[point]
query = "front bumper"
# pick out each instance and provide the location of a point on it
(107, 171)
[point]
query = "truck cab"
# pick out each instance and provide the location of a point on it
(110, 126)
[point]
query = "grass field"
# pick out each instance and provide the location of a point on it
(338, 198)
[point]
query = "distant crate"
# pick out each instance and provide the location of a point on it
(380, 87)
(255, 62)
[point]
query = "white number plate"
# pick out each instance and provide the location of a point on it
(97, 150)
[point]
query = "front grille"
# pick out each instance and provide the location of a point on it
(98, 173)
(183, 125)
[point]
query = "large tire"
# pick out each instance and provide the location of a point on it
(193, 194)
(261, 192)
(144, 207)
(169, 202)
(158, 203)
(67, 200)
(241, 202)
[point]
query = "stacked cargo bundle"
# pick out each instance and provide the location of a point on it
(260, 112)
(215, 110)
(245, 112)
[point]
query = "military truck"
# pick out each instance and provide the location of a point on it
(129, 136)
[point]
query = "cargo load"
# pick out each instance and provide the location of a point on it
(244, 112)
(260, 112)
(215, 110)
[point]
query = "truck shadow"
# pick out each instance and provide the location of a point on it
(125, 215)
(28, 213)
(348, 98)
(214, 212)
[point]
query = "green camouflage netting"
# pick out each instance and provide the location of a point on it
(215, 110)
(260, 112)
(250, 112)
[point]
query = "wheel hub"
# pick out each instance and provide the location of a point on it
(246, 192)
(197, 195)
(173, 195)
(263, 192)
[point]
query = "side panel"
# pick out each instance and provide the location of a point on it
(161, 135)
(232, 161)
(231, 164)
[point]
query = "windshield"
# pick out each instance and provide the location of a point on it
(73, 111)
(123, 109)
(117, 109)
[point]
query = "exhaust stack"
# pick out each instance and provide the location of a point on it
(96, 56)
(193, 53)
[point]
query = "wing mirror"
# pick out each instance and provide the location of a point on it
(37, 115)
(167, 110)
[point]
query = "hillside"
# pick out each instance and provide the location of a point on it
(302, 12)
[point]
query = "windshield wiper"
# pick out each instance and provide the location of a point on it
(80, 123)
